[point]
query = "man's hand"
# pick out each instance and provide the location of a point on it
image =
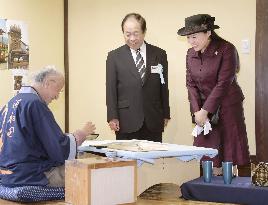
(165, 122)
(114, 125)
(88, 128)
(5, 171)
(81, 134)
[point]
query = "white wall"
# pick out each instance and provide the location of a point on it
(94, 29)
(45, 25)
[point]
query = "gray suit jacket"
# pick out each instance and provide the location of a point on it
(130, 101)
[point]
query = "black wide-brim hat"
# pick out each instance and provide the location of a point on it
(198, 23)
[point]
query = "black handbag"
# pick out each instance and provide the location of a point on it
(215, 117)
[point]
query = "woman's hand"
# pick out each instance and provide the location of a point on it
(201, 117)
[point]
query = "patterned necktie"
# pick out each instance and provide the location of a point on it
(140, 64)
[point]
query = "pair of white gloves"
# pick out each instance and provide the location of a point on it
(198, 129)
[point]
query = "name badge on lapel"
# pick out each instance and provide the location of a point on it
(158, 69)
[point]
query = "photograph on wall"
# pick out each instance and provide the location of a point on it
(18, 44)
(3, 44)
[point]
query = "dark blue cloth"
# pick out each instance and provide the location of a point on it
(240, 191)
(32, 141)
(31, 193)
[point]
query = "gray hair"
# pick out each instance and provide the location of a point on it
(49, 70)
(40, 75)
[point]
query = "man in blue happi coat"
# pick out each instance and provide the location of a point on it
(33, 147)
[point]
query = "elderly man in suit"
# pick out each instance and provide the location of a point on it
(137, 95)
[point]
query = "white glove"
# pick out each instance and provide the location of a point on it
(206, 128)
(197, 130)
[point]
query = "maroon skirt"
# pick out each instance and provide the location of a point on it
(229, 137)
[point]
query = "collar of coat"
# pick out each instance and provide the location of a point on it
(210, 51)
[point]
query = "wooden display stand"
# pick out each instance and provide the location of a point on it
(95, 181)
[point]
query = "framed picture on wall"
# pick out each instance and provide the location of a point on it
(18, 45)
(14, 49)
(3, 44)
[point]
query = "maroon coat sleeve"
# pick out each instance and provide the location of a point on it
(226, 75)
(193, 93)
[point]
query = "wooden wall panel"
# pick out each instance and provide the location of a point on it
(261, 81)
(66, 65)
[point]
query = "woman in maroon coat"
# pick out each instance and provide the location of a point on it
(212, 64)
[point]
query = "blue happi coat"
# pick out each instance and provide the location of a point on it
(32, 140)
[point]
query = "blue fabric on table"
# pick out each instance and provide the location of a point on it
(240, 191)
(181, 152)
(31, 193)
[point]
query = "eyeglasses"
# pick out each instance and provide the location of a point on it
(57, 85)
